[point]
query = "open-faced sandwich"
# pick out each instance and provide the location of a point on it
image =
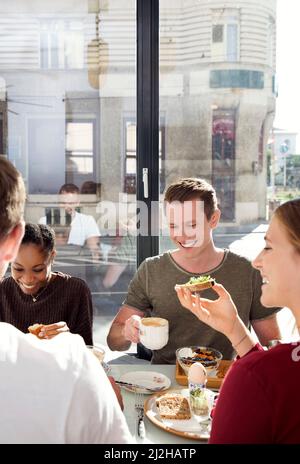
(35, 329)
(197, 284)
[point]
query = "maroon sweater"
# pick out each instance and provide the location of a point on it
(65, 299)
(259, 401)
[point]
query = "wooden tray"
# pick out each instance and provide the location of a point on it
(212, 382)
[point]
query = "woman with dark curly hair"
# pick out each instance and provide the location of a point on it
(36, 295)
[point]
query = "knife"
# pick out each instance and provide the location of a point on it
(142, 387)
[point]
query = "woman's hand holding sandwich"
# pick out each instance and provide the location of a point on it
(220, 314)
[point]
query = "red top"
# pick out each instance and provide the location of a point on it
(260, 398)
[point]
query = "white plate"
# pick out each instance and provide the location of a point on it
(152, 380)
(189, 428)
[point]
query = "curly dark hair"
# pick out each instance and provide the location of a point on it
(40, 235)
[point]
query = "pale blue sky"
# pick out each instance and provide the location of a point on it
(288, 66)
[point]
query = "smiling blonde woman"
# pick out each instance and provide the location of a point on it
(259, 401)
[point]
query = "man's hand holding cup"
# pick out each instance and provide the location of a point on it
(132, 329)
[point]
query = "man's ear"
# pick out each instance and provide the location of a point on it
(10, 246)
(214, 220)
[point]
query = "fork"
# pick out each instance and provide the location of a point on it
(139, 407)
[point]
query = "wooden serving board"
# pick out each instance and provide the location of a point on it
(212, 382)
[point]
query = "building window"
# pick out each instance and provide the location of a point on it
(225, 34)
(232, 42)
(236, 78)
(61, 44)
(217, 33)
(130, 155)
(80, 152)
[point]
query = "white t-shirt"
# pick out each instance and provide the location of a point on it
(55, 391)
(83, 226)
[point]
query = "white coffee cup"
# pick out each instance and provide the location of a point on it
(154, 332)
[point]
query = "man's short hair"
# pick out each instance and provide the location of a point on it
(69, 188)
(191, 188)
(12, 197)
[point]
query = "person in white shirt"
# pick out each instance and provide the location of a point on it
(51, 391)
(55, 391)
(83, 227)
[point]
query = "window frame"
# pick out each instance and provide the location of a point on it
(129, 177)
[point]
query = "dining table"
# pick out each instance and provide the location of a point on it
(153, 433)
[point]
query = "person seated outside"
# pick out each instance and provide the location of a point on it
(83, 227)
(35, 294)
(259, 400)
(89, 187)
(54, 391)
(192, 213)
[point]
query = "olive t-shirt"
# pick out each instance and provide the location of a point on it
(152, 291)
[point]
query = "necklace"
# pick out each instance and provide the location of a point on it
(35, 297)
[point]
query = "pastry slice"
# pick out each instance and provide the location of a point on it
(173, 406)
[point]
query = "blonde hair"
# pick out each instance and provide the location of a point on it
(289, 215)
(12, 197)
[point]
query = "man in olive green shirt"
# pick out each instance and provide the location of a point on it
(151, 291)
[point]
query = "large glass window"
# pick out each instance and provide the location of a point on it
(217, 97)
(217, 91)
(68, 115)
(68, 77)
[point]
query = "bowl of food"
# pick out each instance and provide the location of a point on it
(210, 358)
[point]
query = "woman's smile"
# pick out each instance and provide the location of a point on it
(29, 289)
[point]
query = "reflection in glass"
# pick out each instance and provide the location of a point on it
(217, 68)
(68, 83)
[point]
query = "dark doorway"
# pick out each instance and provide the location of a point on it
(223, 161)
